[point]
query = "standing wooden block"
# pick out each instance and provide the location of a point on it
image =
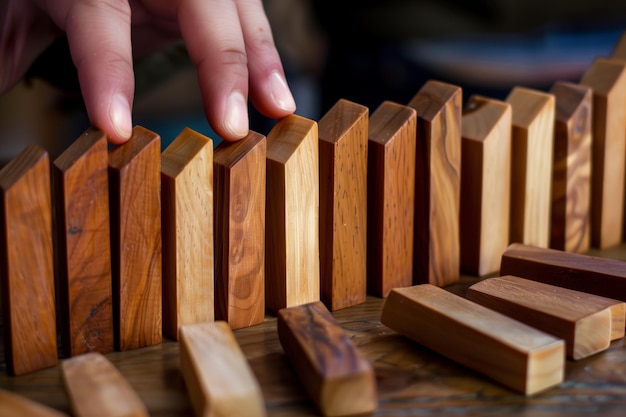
(239, 222)
(531, 165)
(506, 350)
(438, 184)
(220, 383)
(343, 204)
(607, 79)
(187, 226)
(14, 405)
(572, 168)
(339, 380)
(134, 181)
(485, 184)
(26, 265)
(83, 245)
(96, 388)
(390, 198)
(292, 268)
(619, 50)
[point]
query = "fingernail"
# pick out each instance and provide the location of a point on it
(236, 121)
(280, 92)
(121, 116)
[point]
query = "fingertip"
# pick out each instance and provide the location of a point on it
(280, 93)
(236, 124)
(121, 119)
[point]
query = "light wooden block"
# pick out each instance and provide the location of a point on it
(218, 378)
(437, 184)
(292, 263)
(485, 184)
(336, 376)
(135, 184)
(239, 175)
(343, 204)
(571, 182)
(584, 326)
(187, 228)
(81, 184)
(26, 264)
(391, 198)
(510, 352)
(607, 79)
(532, 148)
(96, 388)
(14, 405)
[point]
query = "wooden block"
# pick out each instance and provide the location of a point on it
(570, 224)
(584, 326)
(220, 383)
(81, 186)
(338, 379)
(14, 405)
(95, 387)
(239, 224)
(343, 204)
(619, 50)
(485, 184)
(436, 252)
(187, 227)
(607, 79)
(292, 255)
(134, 182)
(531, 165)
(506, 350)
(26, 264)
(390, 198)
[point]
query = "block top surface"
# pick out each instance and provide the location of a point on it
(20, 165)
(389, 117)
(433, 97)
(481, 115)
(341, 117)
(527, 105)
(182, 150)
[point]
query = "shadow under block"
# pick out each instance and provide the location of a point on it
(571, 175)
(343, 204)
(217, 375)
(438, 184)
(239, 222)
(532, 147)
(336, 376)
(292, 255)
(607, 79)
(391, 198)
(14, 405)
(134, 181)
(81, 184)
(566, 314)
(485, 184)
(506, 350)
(27, 275)
(96, 388)
(187, 228)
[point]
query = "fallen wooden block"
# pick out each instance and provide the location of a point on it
(14, 405)
(217, 375)
(506, 350)
(338, 379)
(585, 325)
(96, 388)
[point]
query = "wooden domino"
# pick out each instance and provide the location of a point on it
(338, 379)
(26, 264)
(14, 405)
(510, 352)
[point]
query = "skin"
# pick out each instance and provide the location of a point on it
(229, 41)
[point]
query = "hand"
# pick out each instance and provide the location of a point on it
(229, 41)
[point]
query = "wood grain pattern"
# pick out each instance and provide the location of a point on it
(14, 405)
(187, 228)
(437, 184)
(485, 184)
(390, 198)
(239, 175)
(81, 185)
(135, 201)
(336, 376)
(570, 224)
(26, 264)
(512, 353)
(220, 383)
(531, 165)
(292, 264)
(343, 204)
(607, 79)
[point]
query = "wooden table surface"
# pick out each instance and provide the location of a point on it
(411, 380)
